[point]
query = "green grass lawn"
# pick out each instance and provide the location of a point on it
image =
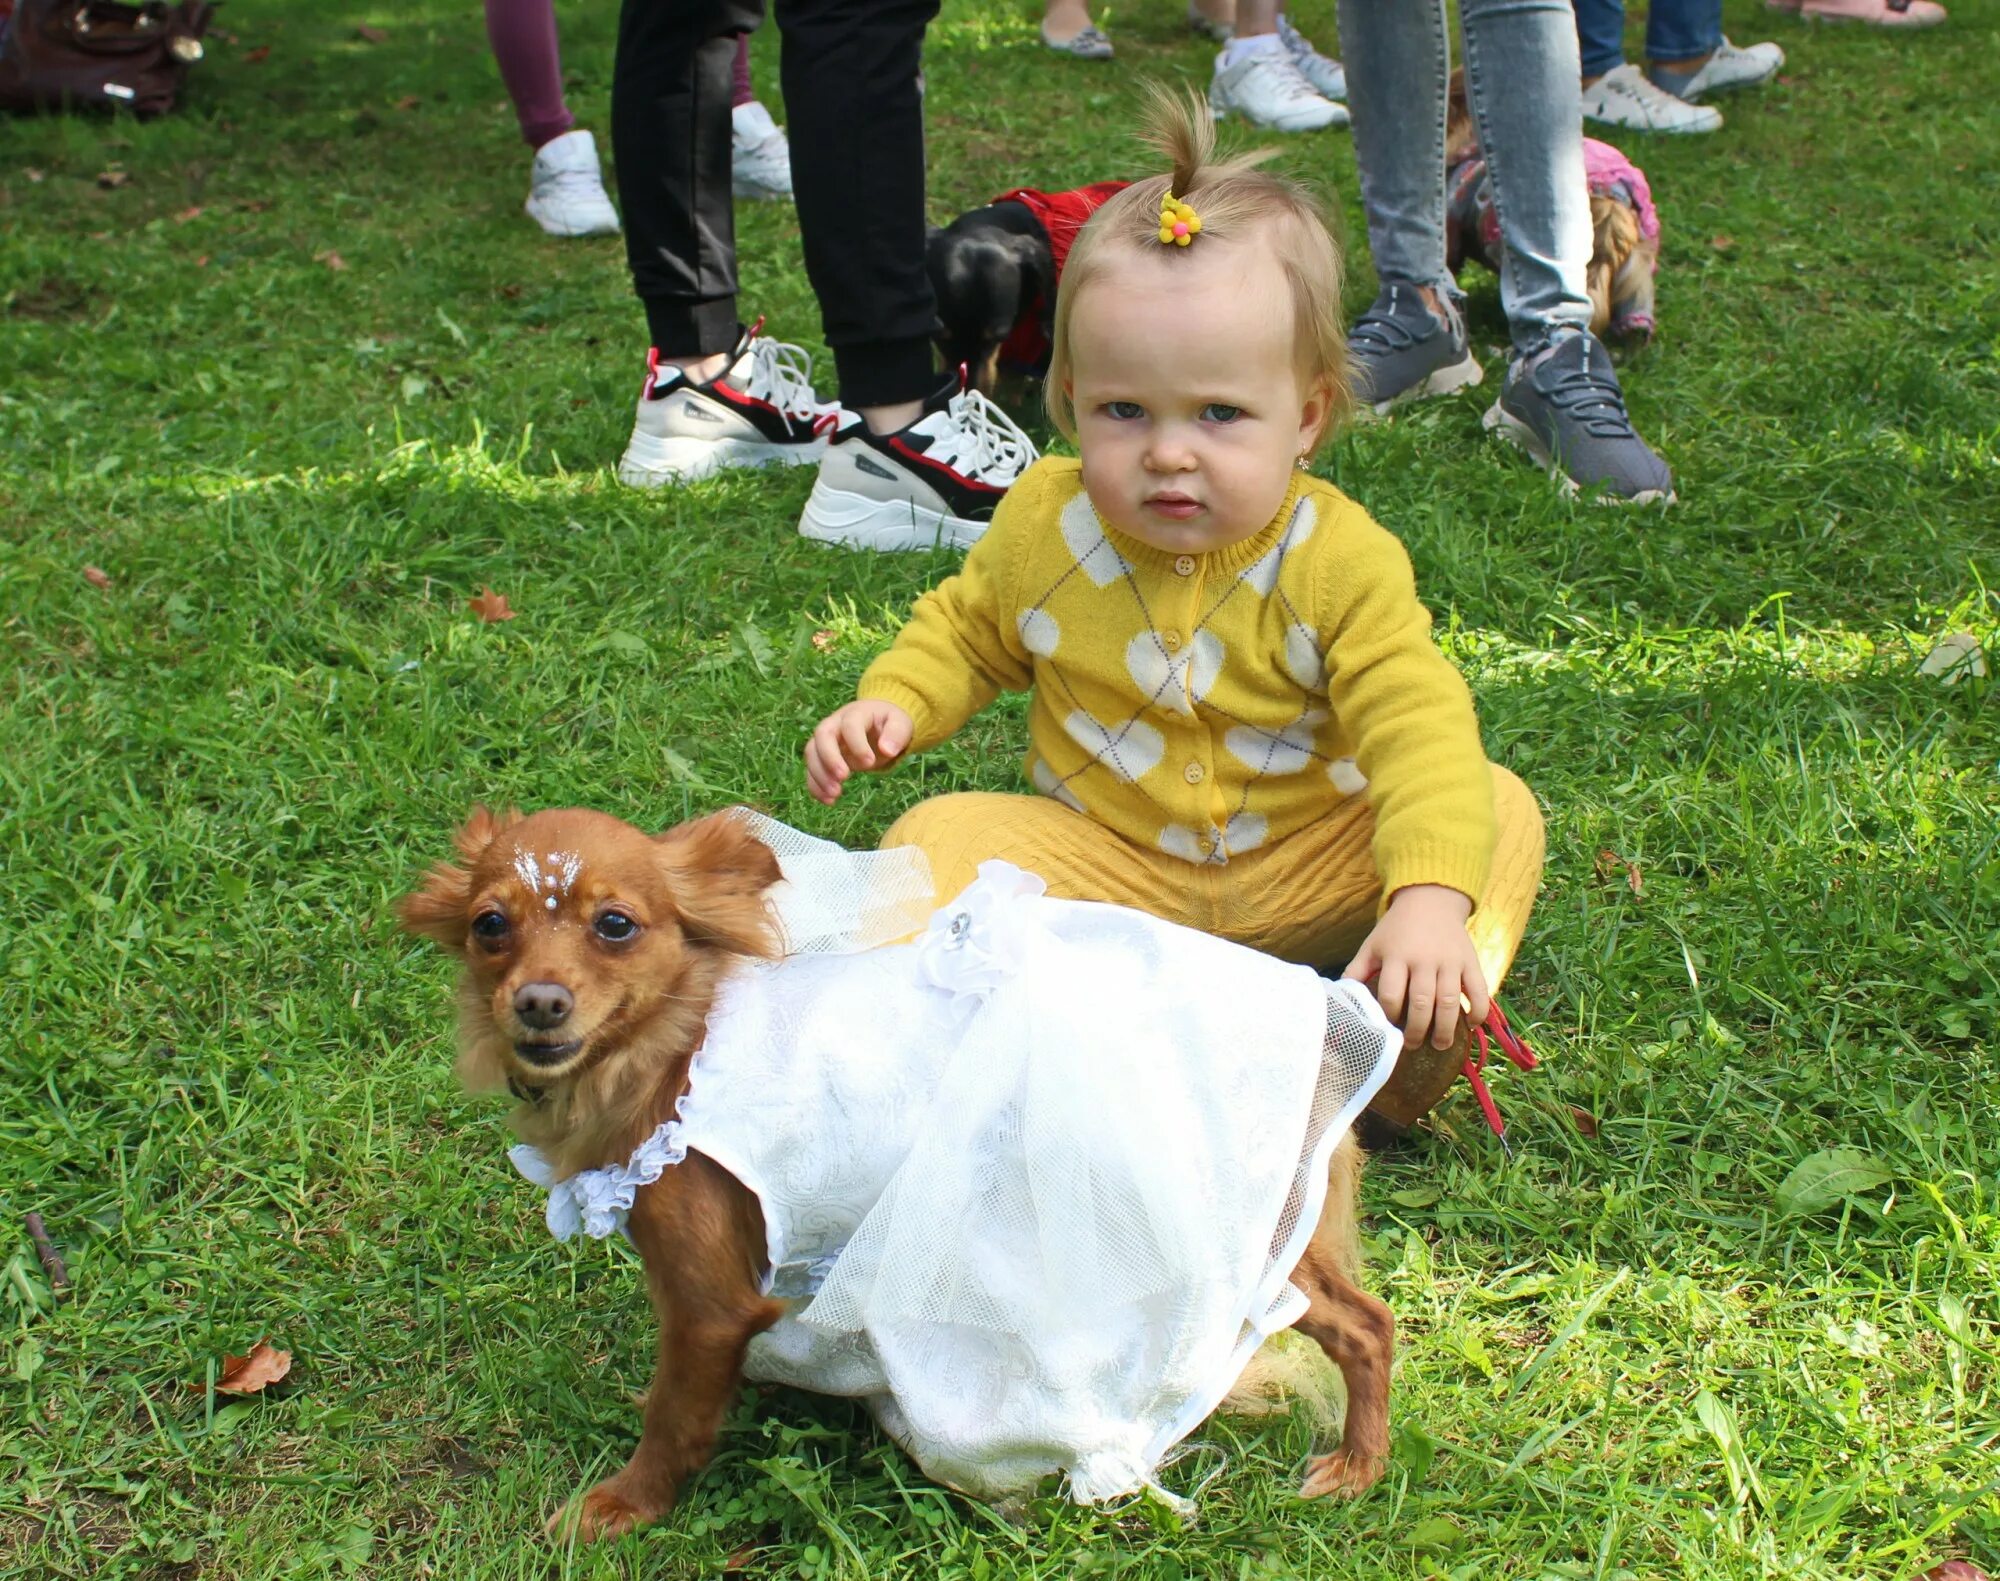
(226, 1084)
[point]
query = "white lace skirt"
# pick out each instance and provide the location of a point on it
(1119, 1158)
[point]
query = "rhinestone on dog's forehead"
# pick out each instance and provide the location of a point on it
(549, 874)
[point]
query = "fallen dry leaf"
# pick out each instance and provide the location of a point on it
(374, 35)
(490, 606)
(96, 576)
(33, 174)
(1608, 864)
(409, 101)
(1953, 1570)
(739, 1561)
(1722, 244)
(332, 260)
(113, 176)
(201, 262)
(1586, 1122)
(822, 639)
(257, 56)
(254, 1372)
(187, 214)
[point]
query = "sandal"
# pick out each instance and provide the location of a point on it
(1090, 44)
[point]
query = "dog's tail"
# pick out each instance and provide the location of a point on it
(1290, 1370)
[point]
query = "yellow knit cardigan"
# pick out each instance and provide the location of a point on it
(1208, 704)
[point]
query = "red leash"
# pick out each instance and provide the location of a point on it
(1494, 1030)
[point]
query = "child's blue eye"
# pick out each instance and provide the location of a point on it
(1217, 412)
(1124, 411)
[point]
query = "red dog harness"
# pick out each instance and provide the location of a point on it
(1061, 216)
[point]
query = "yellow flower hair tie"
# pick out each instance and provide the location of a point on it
(1178, 222)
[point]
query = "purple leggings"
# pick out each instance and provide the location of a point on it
(523, 35)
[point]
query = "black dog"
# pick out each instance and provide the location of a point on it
(994, 272)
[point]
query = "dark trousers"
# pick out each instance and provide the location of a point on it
(854, 108)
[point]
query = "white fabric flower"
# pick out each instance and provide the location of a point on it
(599, 1201)
(980, 939)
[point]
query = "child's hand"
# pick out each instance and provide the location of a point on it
(863, 735)
(1422, 959)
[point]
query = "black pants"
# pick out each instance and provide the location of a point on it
(854, 107)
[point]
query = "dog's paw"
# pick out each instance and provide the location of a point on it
(605, 1511)
(1344, 1472)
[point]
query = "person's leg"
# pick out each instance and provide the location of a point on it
(929, 461)
(1561, 401)
(670, 131)
(1688, 56)
(1399, 66)
(1077, 857)
(854, 95)
(761, 159)
(1523, 84)
(1411, 342)
(523, 36)
(1680, 34)
(1314, 896)
(1600, 36)
(715, 396)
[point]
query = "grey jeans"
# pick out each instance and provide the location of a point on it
(1523, 83)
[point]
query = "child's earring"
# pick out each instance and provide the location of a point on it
(1305, 460)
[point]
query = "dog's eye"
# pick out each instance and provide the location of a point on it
(616, 927)
(490, 927)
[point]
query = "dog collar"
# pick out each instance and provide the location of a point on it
(599, 1201)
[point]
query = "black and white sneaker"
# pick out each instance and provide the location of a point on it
(935, 482)
(760, 411)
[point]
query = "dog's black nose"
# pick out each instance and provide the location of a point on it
(543, 1005)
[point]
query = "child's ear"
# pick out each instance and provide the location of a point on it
(718, 871)
(1316, 416)
(437, 910)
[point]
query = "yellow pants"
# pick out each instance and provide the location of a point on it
(1311, 897)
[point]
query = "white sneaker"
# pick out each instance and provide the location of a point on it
(760, 411)
(1327, 76)
(566, 189)
(1268, 89)
(760, 160)
(1731, 67)
(1624, 97)
(936, 482)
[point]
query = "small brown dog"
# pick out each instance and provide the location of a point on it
(1624, 225)
(592, 955)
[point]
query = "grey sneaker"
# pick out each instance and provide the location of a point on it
(1567, 411)
(1399, 350)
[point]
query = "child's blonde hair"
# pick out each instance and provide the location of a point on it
(1234, 200)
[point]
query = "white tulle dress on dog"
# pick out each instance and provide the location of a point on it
(1032, 1183)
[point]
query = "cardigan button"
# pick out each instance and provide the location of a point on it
(1194, 773)
(1184, 566)
(1172, 639)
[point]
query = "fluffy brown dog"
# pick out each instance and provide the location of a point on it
(592, 954)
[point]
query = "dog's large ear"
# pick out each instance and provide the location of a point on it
(437, 910)
(719, 871)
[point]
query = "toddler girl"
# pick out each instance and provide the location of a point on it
(1239, 721)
